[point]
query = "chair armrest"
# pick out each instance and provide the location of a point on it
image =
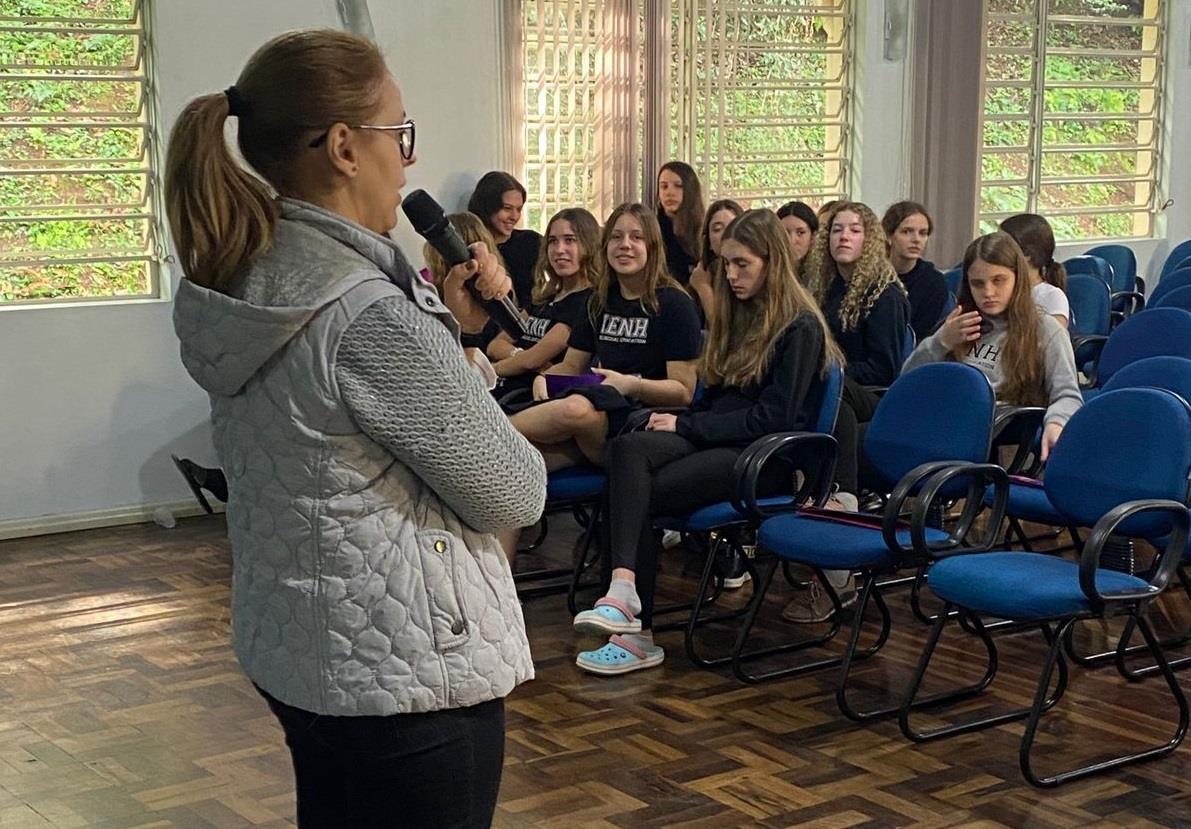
(979, 476)
(1019, 426)
(640, 417)
(1168, 559)
(812, 452)
(1139, 284)
(879, 391)
(1137, 300)
(908, 486)
(1096, 341)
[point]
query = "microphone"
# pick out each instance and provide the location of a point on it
(427, 217)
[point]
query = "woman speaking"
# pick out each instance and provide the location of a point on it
(368, 466)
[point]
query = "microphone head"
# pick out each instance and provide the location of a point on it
(423, 211)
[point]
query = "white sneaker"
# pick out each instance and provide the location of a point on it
(671, 539)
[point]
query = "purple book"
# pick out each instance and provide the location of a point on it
(558, 383)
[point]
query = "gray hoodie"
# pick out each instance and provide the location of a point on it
(367, 468)
(1058, 361)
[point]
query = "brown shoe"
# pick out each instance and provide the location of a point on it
(814, 606)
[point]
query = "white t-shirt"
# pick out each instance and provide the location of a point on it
(1051, 300)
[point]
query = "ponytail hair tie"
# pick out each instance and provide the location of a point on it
(235, 102)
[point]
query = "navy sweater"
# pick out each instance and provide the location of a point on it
(786, 400)
(928, 296)
(876, 347)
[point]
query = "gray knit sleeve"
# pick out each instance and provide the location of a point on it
(407, 384)
(1058, 362)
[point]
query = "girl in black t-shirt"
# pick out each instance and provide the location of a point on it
(565, 271)
(641, 330)
(767, 355)
(680, 215)
(498, 200)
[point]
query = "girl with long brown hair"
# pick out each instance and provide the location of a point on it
(1048, 278)
(636, 346)
(719, 216)
(997, 328)
(767, 354)
(567, 267)
(680, 214)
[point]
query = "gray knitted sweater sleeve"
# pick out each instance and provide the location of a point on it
(409, 387)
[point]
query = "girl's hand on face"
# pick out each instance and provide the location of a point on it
(960, 327)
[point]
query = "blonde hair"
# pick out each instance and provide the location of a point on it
(743, 333)
(656, 275)
(472, 229)
(871, 275)
(546, 283)
(299, 83)
(1022, 371)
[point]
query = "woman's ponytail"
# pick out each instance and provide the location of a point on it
(222, 217)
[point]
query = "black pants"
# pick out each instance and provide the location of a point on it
(653, 474)
(439, 769)
(856, 409)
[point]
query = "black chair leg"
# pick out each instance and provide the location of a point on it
(741, 656)
(710, 586)
(592, 540)
(1056, 655)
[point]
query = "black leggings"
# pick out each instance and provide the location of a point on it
(439, 769)
(653, 474)
(856, 409)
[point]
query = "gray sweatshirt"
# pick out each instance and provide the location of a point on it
(1058, 361)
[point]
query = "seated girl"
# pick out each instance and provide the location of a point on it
(908, 228)
(1048, 278)
(719, 216)
(638, 342)
(1025, 354)
(867, 312)
(680, 215)
(801, 224)
(563, 277)
(767, 355)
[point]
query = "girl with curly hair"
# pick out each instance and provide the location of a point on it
(867, 311)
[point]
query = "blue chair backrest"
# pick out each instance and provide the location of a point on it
(1178, 298)
(1178, 278)
(1170, 373)
(833, 389)
(1153, 332)
(1090, 264)
(1123, 445)
(1124, 264)
(1091, 304)
(1175, 259)
(937, 412)
(954, 277)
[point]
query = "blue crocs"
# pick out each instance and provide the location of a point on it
(620, 656)
(607, 617)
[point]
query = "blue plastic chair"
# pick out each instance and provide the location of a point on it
(1180, 277)
(728, 519)
(1124, 266)
(1135, 488)
(1177, 298)
(578, 490)
(1093, 265)
(1091, 305)
(1176, 258)
(954, 277)
(931, 418)
(1152, 333)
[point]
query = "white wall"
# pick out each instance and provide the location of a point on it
(94, 399)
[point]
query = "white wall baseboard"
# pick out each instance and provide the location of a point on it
(97, 519)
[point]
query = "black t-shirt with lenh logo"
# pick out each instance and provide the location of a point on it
(631, 339)
(571, 310)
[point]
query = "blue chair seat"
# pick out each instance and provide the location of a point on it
(1029, 503)
(715, 516)
(1020, 585)
(574, 483)
(832, 545)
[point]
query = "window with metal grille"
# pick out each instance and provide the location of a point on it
(78, 215)
(1072, 115)
(755, 94)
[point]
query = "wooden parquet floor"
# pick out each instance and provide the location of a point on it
(121, 705)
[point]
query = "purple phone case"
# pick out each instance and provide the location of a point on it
(558, 383)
